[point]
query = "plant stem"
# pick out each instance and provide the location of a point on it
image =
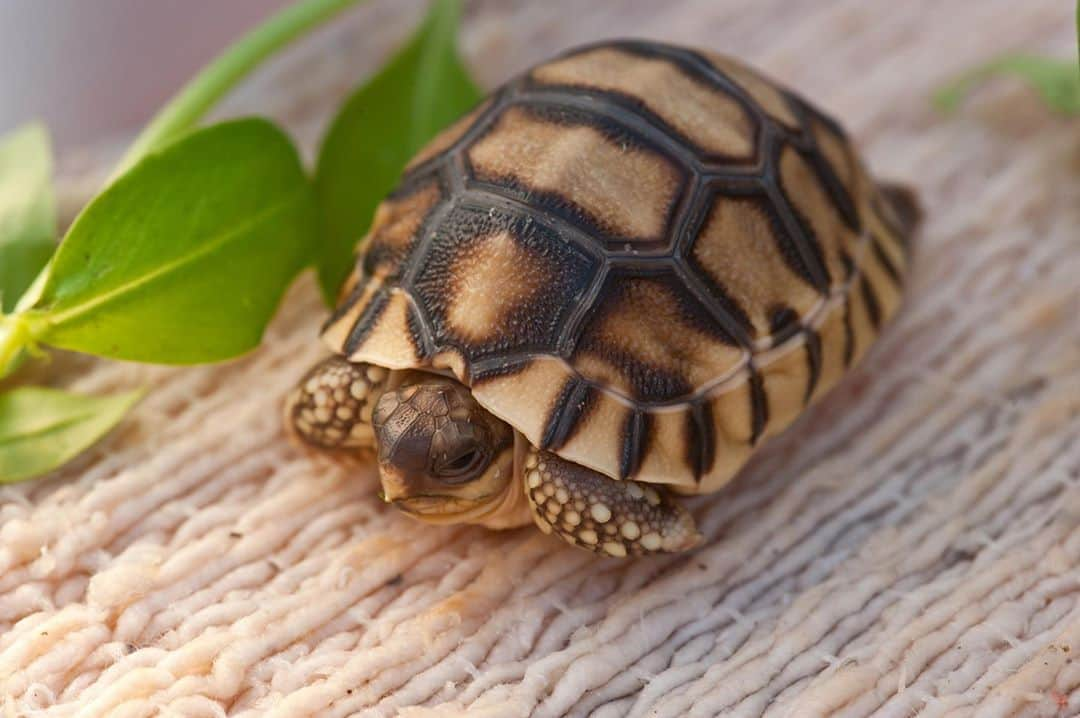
(15, 335)
(217, 78)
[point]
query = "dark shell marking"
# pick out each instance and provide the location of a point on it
(645, 258)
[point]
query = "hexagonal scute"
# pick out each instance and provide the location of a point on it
(766, 94)
(648, 338)
(672, 93)
(497, 283)
(828, 230)
(750, 265)
(396, 227)
(617, 187)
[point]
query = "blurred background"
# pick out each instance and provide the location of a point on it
(96, 70)
(89, 68)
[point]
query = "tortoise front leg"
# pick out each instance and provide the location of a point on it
(331, 406)
(594, 512)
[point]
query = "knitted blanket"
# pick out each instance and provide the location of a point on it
(911, 546)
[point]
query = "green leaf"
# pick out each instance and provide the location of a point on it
(41, 429)
(184, 258)
(1057, 81)
(27, 210)
(421, 90)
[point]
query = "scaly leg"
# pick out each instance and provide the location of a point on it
(331, 406)
(594, 512)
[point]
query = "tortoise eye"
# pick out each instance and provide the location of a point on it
(462, 466)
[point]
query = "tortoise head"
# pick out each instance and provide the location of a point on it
(443, 458)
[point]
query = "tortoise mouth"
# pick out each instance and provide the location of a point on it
(442, 509)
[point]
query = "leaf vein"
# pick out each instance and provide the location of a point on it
(76, 311)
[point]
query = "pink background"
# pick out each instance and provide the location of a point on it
(90, 68)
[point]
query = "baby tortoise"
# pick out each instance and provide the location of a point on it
(603, 287)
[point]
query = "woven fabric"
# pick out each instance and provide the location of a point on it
(910, 546)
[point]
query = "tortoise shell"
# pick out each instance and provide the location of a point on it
(644, 258)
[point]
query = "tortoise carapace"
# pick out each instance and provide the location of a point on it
(606, 285)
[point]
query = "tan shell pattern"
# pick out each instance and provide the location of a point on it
(644, 258)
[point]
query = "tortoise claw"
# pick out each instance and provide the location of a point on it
(591, 511)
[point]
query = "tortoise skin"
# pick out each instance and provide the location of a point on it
(646, 259)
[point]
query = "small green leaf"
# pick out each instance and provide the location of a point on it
(184, 258)
(42, 429)
(421, 90)
(1057, 81)
(27, 210)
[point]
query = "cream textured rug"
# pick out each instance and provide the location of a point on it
(911, 547)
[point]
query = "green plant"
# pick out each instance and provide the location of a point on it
(27, 210)
(1056, 81)
(41, 428)
(184, 256)
(418, 92)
